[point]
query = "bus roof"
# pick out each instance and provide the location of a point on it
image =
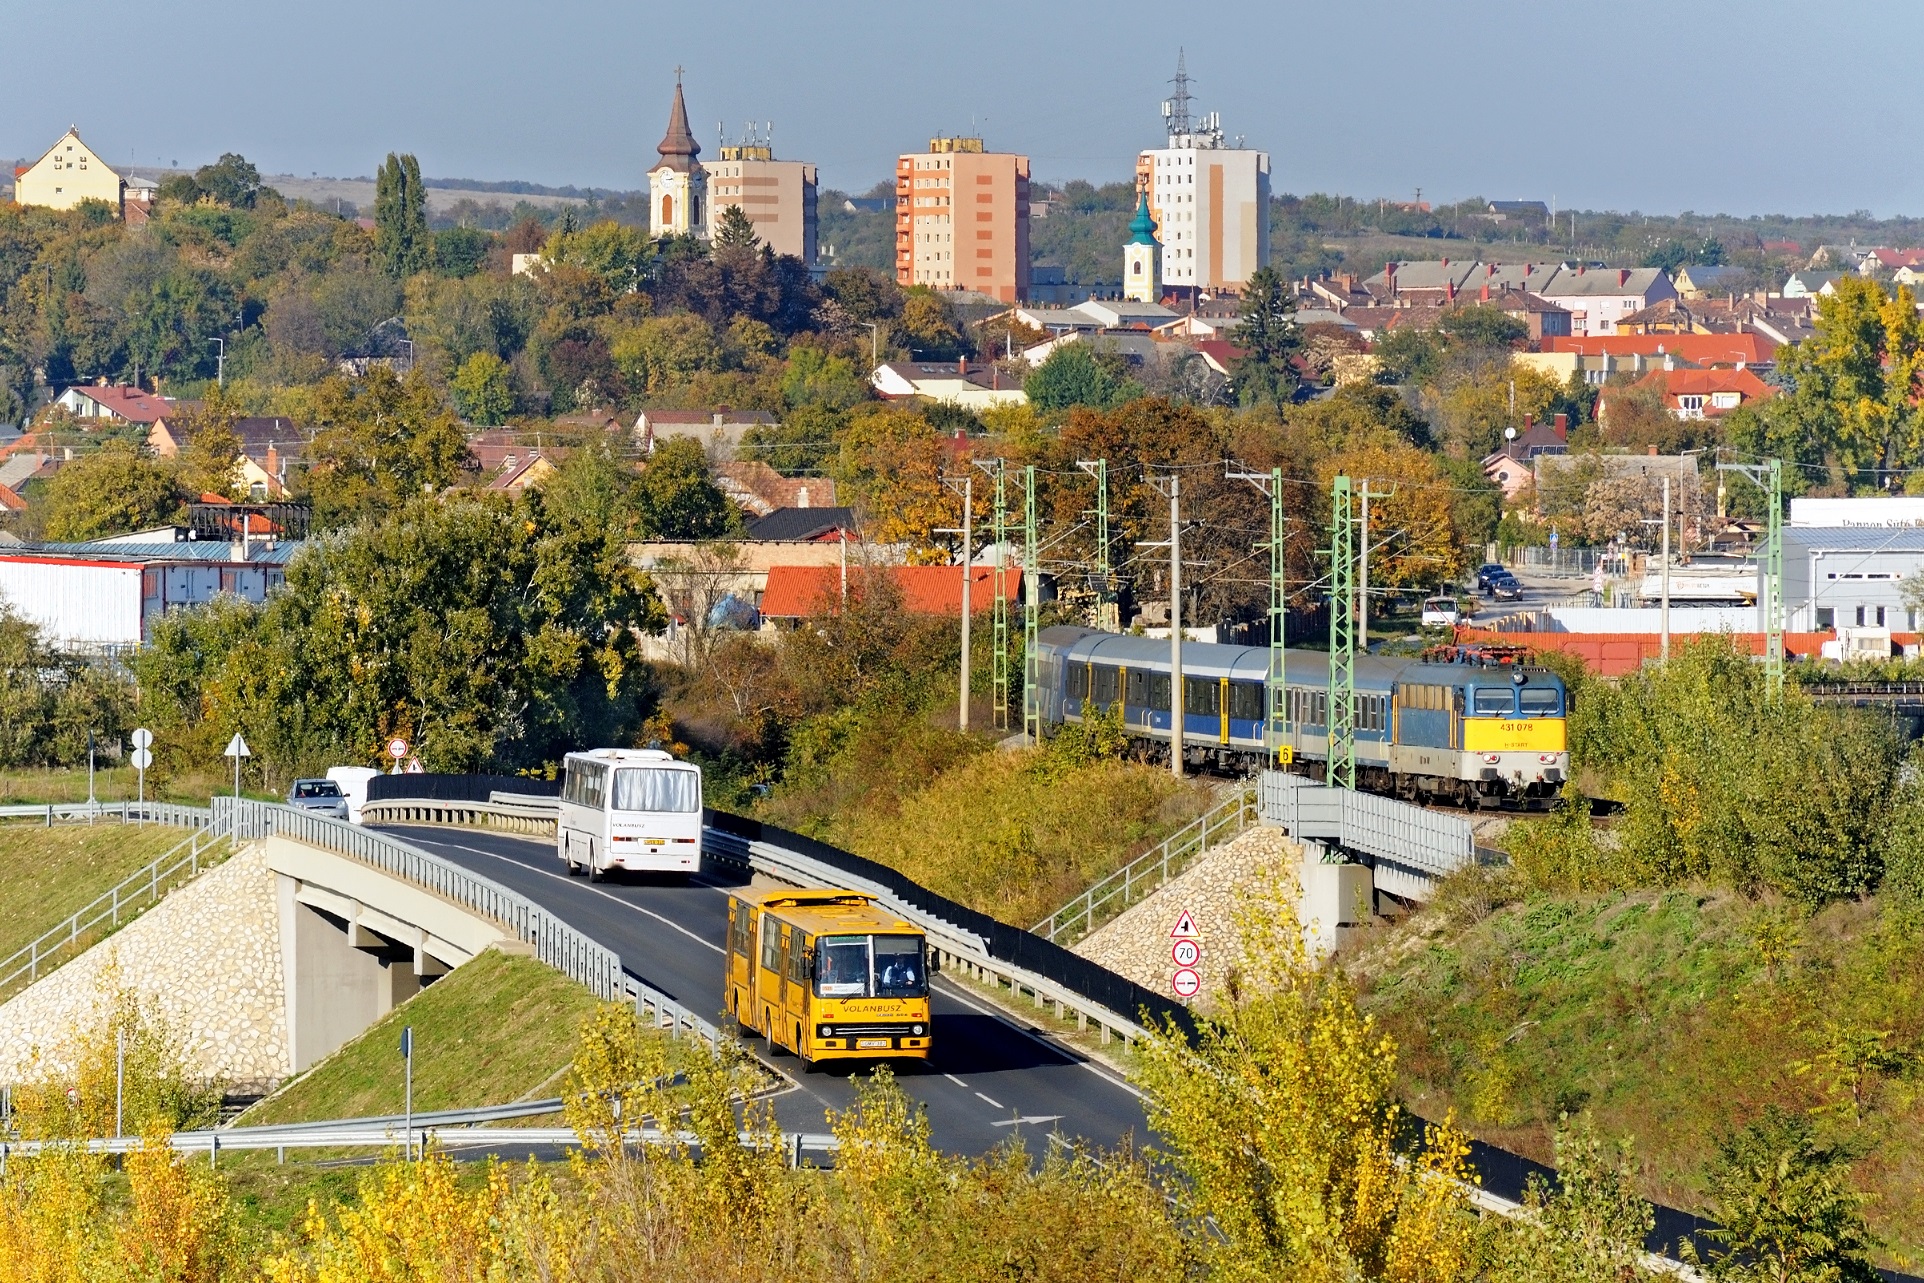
(824, 911)
(631, 757)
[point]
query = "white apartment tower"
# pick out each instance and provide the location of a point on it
(1210, 200)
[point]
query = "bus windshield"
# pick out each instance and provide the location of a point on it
(657, 789)
(870, 967)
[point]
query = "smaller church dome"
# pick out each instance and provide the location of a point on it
(1142, 228)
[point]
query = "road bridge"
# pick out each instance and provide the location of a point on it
(991, 1076)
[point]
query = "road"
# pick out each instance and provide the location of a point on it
(990, 1076)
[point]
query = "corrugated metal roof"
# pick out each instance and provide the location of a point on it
(1856, 538)
(258, 554)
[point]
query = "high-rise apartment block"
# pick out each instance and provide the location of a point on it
(777, 195)
(1210, 200)
(962, 219)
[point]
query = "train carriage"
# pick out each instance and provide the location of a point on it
(1479, 734)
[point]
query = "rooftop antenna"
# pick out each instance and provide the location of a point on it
(1176, 108)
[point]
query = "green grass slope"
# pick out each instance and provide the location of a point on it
(49, 874)
(497, 1029)
(1671, 1016)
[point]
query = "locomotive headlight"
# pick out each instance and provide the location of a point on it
(1493, 758)
(1546, 757)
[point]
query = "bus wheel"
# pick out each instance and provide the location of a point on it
(595, 871)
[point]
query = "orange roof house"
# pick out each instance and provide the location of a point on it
(1740, 350)
(1698, 394)
(796, 592)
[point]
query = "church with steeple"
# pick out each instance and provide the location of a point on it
(1142, 256)
(677, 185)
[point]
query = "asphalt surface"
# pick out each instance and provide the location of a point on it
(990, 1076)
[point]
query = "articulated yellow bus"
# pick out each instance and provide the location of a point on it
(827, 975)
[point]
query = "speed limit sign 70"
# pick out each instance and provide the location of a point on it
(1187, 953)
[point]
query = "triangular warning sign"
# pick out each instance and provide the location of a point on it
(1185, 927)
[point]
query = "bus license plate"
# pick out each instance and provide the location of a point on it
(863, 1044)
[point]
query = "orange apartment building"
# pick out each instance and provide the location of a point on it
(962, 219)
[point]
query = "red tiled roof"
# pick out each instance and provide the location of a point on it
(1698, 349)
(131, 404)
(11, 502)
(796, 592)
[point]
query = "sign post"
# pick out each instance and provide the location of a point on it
(142, 757)
(407, 1062)
(397, 748)
(237, 749)
(1186, 952)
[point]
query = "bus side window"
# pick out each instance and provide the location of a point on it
(798, 954)
(771, 944)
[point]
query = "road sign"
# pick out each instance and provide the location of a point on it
(237, 747)
(142, 738)
(1185, 927)
(1187, 953)
(414, 767)
(142, 758)
(397, 748)
(1186, 983)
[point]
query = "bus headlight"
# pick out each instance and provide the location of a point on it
(824, 1031)
(916, 1030)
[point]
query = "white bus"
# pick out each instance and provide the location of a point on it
(629, 808)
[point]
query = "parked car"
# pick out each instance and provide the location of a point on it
(322, 797)
(1488, 571)
(1441, 612)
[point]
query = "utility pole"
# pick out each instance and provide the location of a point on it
(1031, 602)
(1666, 570)
(1340, 720)
(968, 589)
(1768, 476)
(1172, 486)
(1271, 484)
(1099, 469)
(1363, 567)
(220, 361)
(999, 668)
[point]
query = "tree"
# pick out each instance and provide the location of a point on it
(483, 391)
(1413, 534)
(890, 468)
(815, 377)
(1855, 386)
(461, 251)
(232, 181)
(109, 492)
(381, 441)
(1784, 1207)
(1266, 331)
(735, 230)
(1587, 1227)
(678, 496)
(401, 238)
(665, 352)
(929, 326)
(619, 255)
(1080, 373)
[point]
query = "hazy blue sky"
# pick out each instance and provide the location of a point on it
(1657, 106)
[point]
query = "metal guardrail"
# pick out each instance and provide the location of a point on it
(1421, 842)
(555, 942)
(503, 812)
(179, 864)
(125, 812)
(396, 1135)
(1135, 880)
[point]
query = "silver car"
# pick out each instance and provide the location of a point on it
(323, 797)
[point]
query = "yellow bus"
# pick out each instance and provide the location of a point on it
(827, 975)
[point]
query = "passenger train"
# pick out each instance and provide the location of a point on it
(1472, 733)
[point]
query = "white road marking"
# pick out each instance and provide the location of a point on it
(1083, 1061)
(1028, 1118)
(995, 1104)
(957, 1081)
(594, 890)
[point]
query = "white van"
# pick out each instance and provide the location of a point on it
(629, 808)
(1441, 612)
(353, 781)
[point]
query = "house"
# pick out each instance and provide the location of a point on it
(11, 504)
(720, 430)
(971, 385)
(1508, 211)
(804, 525)
(1697, 394)
(1095, 314)
(106, 594)
(1811, 284)
(1699, 280)
(1595, 360)
(115, 406)
(530, 471)
(1779, 319)
(1134, 347)
(70, 172)
(795, 593)
(1512, 468)
(1594, 296)
(20, 467)
(758, 489)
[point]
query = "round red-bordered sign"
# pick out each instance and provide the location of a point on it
(1186, 953)
(397, 748)
(1186, 983)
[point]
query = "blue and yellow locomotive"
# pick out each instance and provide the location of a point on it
(1477, 734)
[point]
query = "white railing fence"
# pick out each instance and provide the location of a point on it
(1134, 881)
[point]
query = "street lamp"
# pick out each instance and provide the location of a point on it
(874, 345)
(220, 362)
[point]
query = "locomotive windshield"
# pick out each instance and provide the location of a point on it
(1493, 701)
(1540, 701)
